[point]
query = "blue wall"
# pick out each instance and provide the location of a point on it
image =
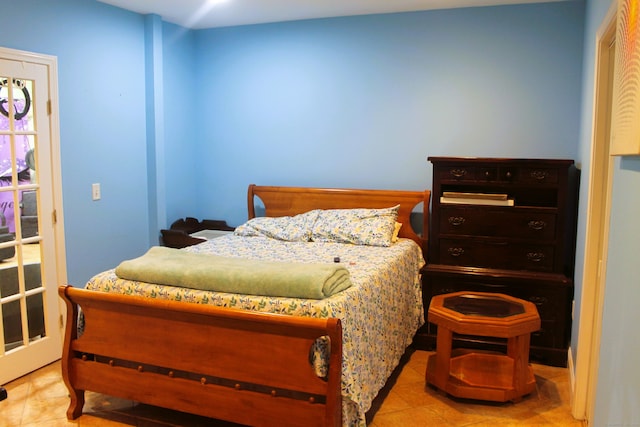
(100, 51)
(356, 101)
(182, 160)
(353, 102)
(617, 387)
(362, 101)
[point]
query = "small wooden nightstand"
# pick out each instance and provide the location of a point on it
(180, 233)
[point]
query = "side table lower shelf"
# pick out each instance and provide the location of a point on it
(481, 376)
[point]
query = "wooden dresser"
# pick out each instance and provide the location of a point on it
(523, 246)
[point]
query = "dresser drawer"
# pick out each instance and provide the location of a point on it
(467, 173)
(538, 176)
(503, 174)
(496, 254)
(474, 221)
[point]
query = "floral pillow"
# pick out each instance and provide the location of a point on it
(396, 231)
(288, 228)
(373, 227)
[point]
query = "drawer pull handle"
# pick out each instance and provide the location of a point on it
(535, 256)
(458, 173)
(509, 175)
(539, 175)
(456, 220)
(456, 252)
(539, 300)
(537, 224)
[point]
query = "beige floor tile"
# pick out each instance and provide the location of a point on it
(47, 387)
(12, 407)
(408, 375)
(41, 410)
(393, 403)
(413, 417)
(59, 422)
(104, 420)
(41, 399)
(419, 394)
(559, 416)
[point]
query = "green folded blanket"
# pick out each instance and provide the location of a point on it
(168, 266)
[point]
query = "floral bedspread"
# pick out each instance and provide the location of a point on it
(380, 313)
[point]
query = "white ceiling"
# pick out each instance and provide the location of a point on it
(199, 14)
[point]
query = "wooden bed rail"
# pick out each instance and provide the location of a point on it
(246, 367)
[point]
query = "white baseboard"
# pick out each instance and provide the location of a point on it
(572, 373)
(572, 390)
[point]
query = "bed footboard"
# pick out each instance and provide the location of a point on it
(245, 367)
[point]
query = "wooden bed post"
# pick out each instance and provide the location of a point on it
(250, 206)
(71, 333)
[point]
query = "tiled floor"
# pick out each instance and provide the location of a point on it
(40, 399)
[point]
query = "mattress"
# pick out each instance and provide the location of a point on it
(380, 313)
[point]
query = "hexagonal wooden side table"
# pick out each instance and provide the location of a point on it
(482, 375)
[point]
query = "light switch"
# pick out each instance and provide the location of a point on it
(95, 191)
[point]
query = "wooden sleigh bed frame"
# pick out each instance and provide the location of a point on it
(245, 367)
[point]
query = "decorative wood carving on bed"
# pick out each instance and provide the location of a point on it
(246, 367)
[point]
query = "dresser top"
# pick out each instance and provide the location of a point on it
(498, 160)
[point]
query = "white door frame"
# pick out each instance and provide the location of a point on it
(52, 222)
(597, 225)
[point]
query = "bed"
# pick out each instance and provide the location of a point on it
(254, 359)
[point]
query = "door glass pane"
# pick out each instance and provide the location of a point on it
(12, 320)
(21, 94)
(21, 290)
(11, 311)
(9, 280)
(35, 315)
(17, 145)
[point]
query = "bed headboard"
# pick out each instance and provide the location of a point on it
(289, 201)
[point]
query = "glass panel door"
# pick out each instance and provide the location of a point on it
(29, 319)
(18, 216)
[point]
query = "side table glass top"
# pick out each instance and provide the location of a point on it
(483, 305)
